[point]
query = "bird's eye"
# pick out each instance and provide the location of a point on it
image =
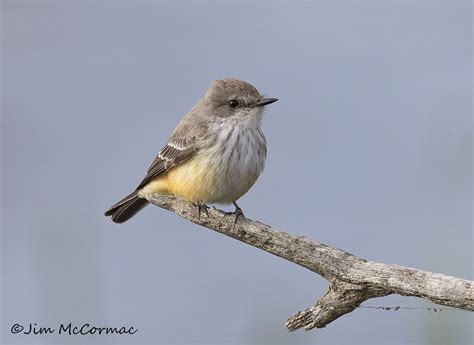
(233, 103)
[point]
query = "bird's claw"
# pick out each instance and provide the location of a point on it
(238, 213)
(202, 207)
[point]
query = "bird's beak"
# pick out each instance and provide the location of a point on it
(265, 101)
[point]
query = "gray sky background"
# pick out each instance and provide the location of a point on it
(370, 150)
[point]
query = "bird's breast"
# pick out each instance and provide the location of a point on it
(221, 172)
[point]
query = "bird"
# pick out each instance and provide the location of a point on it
(214, 155)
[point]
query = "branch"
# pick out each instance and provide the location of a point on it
(352, 280)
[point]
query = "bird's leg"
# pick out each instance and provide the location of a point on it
(238, 213)
(202, 206)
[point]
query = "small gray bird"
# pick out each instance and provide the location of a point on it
(214, 155)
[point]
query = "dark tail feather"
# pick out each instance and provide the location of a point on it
(126, 208)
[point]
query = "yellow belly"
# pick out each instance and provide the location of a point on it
(195, 180)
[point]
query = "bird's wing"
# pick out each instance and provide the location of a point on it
(177, 151)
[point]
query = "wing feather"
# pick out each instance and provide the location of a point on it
(175, 152)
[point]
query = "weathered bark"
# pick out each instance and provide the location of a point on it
(352, 280)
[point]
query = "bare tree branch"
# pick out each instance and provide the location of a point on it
(352, 280)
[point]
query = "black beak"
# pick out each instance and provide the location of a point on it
(265, 101)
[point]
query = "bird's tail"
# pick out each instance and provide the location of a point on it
(126, 208)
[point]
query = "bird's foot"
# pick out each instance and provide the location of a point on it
(238, 213)
(202, 207)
